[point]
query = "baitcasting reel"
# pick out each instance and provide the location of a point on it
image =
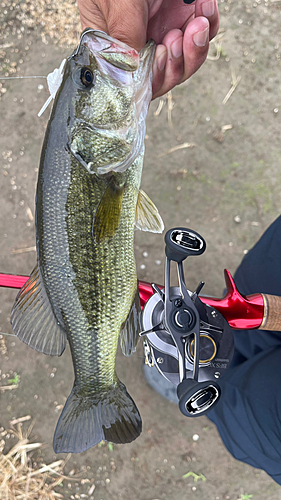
(189, 338)
(188, 341)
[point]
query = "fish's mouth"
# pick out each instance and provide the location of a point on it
(111, 50)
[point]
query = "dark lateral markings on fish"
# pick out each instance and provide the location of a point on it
(84, 287)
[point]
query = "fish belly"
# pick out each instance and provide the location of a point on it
(91, 286)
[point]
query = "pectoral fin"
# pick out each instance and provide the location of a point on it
(33, 319)
(129, 335)
(107, 216)
(147, 215)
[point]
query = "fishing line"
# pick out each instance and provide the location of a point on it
(54, 80)
(18, 77)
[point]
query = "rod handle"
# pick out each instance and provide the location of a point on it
(272, 313)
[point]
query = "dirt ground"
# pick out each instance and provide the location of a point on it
(226, 187)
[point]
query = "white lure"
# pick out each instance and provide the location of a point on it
(54, 80)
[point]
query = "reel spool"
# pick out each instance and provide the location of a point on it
(190, 343)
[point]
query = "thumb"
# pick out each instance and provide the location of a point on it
(124, 20)
(91, 16)
(128, 22)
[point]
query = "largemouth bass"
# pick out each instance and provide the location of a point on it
(84, 287)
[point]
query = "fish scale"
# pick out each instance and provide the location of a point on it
(84, 287)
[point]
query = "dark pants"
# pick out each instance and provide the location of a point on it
(248, 415)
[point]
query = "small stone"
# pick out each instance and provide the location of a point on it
(91, 490)
(237, 219)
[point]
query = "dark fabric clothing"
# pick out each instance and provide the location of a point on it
(248, 415)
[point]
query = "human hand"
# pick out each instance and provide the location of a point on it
(181, 32)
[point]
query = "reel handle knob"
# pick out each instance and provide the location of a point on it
(197, 398)
(182, 242)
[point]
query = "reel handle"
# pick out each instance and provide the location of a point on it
(182, 242)
(197, 398)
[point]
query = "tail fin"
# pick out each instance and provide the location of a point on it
(88, 419)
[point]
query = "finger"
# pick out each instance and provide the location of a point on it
(124, 20)
(195, 46)
(91, 16)
(159, 65)
(209, 9)
(127, 21)
(174, 66)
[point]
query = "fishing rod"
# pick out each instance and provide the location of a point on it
(186, 336)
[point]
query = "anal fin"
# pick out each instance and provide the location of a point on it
(129, 335)
(33, 319)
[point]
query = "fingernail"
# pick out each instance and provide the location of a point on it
(208, 8)
(176, 48)
(161, 60)
(200, 38)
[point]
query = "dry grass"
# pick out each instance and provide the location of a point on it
(176, 148)
(234, 83)
(21, 477)
(216, 42)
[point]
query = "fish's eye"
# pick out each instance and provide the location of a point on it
(86, 77)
